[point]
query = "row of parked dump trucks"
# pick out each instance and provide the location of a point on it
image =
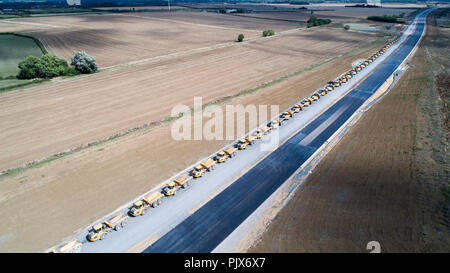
(139, 208)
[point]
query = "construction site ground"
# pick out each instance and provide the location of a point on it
(387, 179)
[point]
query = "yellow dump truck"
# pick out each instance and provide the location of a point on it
(329, 88)
(305, 103)
(73, 246)
(198, 171)
(222, 156)
(266, 129)
(285, 116)
(259, 133)
(274, 124)
(209, 164)
(242, 144)
(296, 108)
(183, 182)
(250, 139)
(151, 200)
(99, 231)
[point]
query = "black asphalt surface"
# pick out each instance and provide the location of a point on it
(205, 229)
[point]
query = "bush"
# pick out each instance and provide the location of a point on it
(84, 63)
(240, 37)
(47, 66)
(52, 66)
(29, 68)
(346, 27)
(268, 32)
(314, 21)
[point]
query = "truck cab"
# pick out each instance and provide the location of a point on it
(285, 116)
(274, 124)
(296, 108)
(198, 171)
(242, 144)
(221, 157)
(170, 189)
(138, 208)
(97, 233)
(259, 133)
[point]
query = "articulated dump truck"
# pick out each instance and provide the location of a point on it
(99, 231)
(223, 156)
(209, 164)
(73, 246)
(140, 207)
(183, 182)
(285, 116)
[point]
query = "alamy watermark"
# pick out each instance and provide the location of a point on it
(230, 122)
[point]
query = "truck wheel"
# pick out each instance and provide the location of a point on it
(117, 228)
(123, 224)
(183, 186)
(154, 204)
(102, 236)
(159, 202)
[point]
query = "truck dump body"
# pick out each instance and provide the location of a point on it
(70, 247)
(208, 164)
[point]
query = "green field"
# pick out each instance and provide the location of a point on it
(13, 49)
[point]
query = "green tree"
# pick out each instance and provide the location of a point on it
(52, 66)
(240, 37)
(346, 27)
(47, 66)
(29, 68)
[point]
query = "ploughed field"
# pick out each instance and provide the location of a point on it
(67, 113)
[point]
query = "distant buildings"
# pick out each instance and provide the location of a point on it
(73, 2)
